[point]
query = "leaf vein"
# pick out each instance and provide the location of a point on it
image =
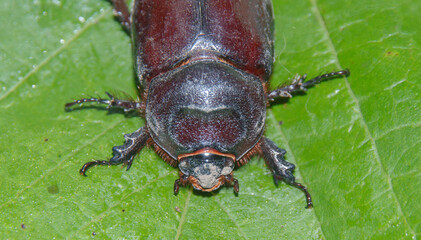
(64, 159)
(183, 216)
(411, 125)
(230, 217)
(359, 112)
(55, 53)
(292, 157)
(105, 213)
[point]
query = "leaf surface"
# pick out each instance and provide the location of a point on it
(355, 141)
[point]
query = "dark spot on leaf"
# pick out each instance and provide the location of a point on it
(392, 54)
(53, 189)
(280, 122)
(23, 226)
(46, 140)
(123, 210)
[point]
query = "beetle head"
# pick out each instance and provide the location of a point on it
(206, 169)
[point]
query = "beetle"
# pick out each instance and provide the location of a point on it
(203, 69)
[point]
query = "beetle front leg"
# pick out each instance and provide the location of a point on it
(281, 169)
(123, 14)
(126, 105)
(298, 84)
(124, 153)
(230, 180)
(183, 181)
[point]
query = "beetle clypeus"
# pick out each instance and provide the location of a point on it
(203, 69)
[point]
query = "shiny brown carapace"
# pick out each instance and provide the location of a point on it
(203, 71)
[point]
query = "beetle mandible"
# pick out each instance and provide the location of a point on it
(203, 69)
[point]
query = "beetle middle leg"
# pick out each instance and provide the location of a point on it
(126, 105)
(298, 84)
(282, 170)
(124, 153)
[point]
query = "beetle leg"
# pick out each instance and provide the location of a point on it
(236, 186)
(232, 181)
(325, 77)
(183, 180)
(176, 186)
(298, 84)
(126, 105)
(122, 13)
(124, 153)
(282, 170)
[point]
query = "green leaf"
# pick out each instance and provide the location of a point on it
(355, 141)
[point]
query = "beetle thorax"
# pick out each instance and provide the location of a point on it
(205, 104)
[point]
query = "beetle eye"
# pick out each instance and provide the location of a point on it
(183, 164)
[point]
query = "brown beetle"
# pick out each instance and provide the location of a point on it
(204, 68)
